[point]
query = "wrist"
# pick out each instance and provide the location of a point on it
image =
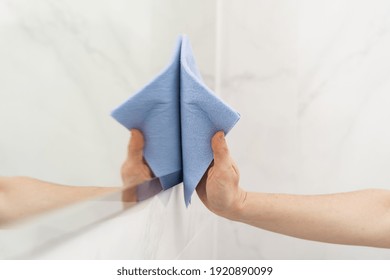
(237, 208)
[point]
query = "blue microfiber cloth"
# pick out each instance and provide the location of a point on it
(178, 116)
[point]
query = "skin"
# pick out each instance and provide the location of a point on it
(21, 197)
(353, 218)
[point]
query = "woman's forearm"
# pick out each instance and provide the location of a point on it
(23, 196)
(355, 218)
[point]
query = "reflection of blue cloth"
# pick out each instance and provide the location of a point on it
(178, 115)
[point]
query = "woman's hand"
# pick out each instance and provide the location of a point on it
(135, 170)
(219, 188)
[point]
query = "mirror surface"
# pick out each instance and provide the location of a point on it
(19, 238)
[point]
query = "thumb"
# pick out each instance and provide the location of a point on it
(136, 146)
(220, 150)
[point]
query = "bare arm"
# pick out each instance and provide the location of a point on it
(354, 218)
(22, 196)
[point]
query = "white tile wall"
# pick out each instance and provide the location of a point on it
(312, 81)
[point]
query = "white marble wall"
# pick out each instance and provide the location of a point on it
(310, 79)
(312, 82)
(64, 65)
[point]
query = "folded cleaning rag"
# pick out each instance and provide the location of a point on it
(178, 116)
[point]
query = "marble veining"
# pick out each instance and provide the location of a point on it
(311, 81)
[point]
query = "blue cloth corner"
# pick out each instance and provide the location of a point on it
(178, 115)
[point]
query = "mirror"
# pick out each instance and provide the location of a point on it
(63, 69)
(18, 240)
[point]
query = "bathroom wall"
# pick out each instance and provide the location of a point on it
(310, 79)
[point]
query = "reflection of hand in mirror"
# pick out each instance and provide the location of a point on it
(135, 169)
(22, 197)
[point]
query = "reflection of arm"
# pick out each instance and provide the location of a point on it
(22, 196)
(355, 218)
